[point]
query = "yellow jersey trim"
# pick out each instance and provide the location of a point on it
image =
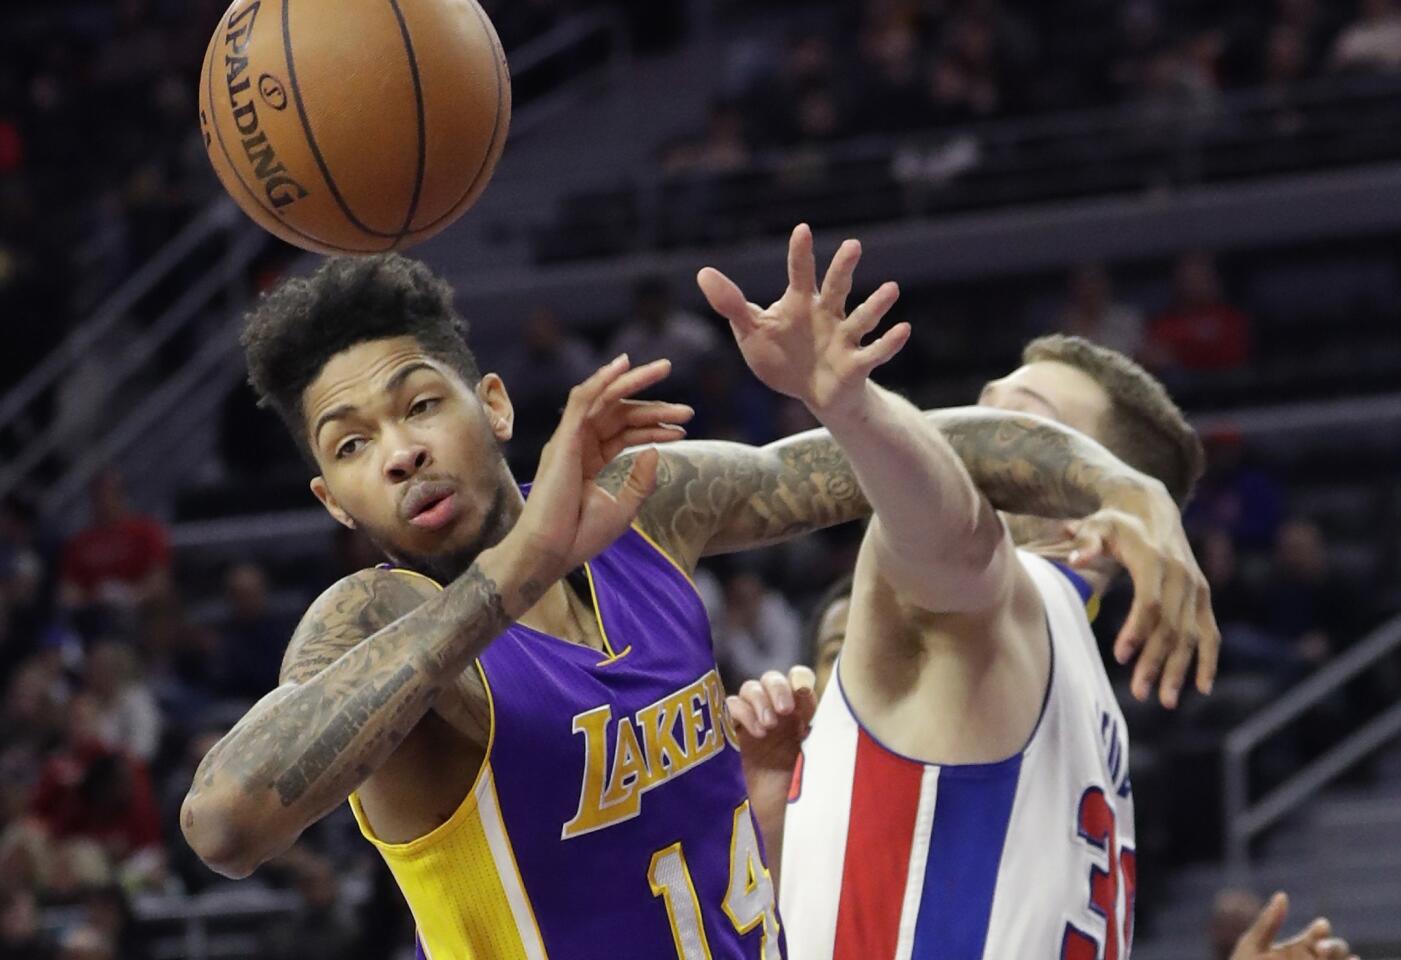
(598, 619)
(606, 661)
(464, 810)
(669, 558)
(509, 849)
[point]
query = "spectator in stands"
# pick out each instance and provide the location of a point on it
(109, 912)
(182, 658)
(1305, 602)
(120, 558)
(889, 79)
(1235, 495)
(1373, 42)
(1200, 331)
(323, 925)
(540, 366)
(85, 943)
(90, 791)
(724, 148)
(127, 716)
(657, 328)
(1092, 312)
(1231, 916)
(252, 638)
(1286, 63)
(20, 936)
(758, 630)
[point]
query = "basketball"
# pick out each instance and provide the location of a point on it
(354, 126)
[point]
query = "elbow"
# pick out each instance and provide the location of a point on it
(218, 831)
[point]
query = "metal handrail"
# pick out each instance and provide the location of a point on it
(146, 414)
(1245, 821)
(216, 216)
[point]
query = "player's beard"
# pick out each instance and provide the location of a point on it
(449, 565)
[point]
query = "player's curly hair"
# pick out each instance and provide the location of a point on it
(296, 328)
(1144, 428)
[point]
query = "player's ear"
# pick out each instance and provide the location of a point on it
(328, 500)
(491, 391)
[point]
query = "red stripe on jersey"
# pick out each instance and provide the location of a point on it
(884, 801)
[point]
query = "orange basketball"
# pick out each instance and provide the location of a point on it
(354, 126)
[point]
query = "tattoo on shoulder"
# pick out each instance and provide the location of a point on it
(350, 611)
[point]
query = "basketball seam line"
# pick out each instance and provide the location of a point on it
(501, 86)
(422, 123)
(233, 165)
(311, 138)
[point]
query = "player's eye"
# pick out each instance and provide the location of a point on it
(349, 447)
(425, 405)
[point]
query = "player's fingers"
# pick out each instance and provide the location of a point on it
(642, 413)
(802, 678)
(1146, 609)
(1180, 627)
(804, 682)
(640, 482)
(743, 715)
(872, 311)
(1087, 542)
(883, 350)
(802, 271)
(753, 693)
(639, 437)
(583, 395)
(779, 692)
(1320, 929)
(1262, 933)
(1209, 649)
(631, 414)
(630, 383)
(836, 283)
(727, 299)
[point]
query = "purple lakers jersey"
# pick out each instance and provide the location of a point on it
(610, 818)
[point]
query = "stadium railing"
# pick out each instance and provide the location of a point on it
(217, 248)
(1147, 146)
(1246, 819)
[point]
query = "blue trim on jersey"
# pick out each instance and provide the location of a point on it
(1081, 585)
(971, 816)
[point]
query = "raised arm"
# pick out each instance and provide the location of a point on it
(717, 497)
(370, 660)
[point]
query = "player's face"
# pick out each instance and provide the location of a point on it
(1058, 392)
(411, 454)
(1054, 390)
(831, 634)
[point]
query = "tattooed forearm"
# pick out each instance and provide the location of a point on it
(714, 497)
(369, 660)
(1025, 464)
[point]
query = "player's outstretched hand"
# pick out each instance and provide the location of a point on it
(568, 517)
(1315, 943)
(1171, 617)
(804, 345)
(772, 716)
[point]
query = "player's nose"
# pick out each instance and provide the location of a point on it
(406, 461)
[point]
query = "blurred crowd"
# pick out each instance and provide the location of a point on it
(120, 668)
(897, 66)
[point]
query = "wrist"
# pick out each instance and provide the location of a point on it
(522, 571)
(1142, 497)
(850, 405)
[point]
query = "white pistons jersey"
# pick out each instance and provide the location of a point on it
(1030, 858)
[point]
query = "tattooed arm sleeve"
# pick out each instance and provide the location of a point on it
(369, 659)
(715, 497)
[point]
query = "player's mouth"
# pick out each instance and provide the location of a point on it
(431, 505)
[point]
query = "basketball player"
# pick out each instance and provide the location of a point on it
(965, 793)
(523, 710)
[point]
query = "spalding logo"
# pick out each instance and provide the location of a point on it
(270, 89)
(279, 186)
